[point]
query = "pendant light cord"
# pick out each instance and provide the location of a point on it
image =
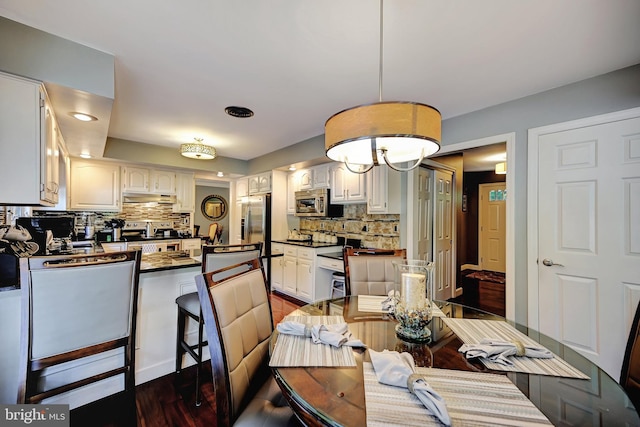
(381, 52)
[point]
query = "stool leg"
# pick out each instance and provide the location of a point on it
(180, 337)
(199, 359)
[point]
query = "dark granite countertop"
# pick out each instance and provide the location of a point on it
(159, 261)
(307, 243)
(333, 255)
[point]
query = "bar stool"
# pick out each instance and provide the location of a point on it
(213, 258)
(189, 305)
(337, 283)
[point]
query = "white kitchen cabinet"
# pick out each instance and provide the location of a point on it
(163, 181)
(190, 244)
(185, 193)
(144, 180)
(28, 144)
(306, 179)
(300, 272)
(305, 273)
(114, 246)
(383, 191)
(135, 180)
(293, 185)
(346, 186)
(322, 176)
(277, 266)
(242, 188)
(94, 185)
(290, 273)
(260, 183)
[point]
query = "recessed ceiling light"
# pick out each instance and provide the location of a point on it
(241, 112)
(85, 156)
(292, 168)
(83, 117)
(220, 174)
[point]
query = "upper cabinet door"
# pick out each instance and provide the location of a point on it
(94, 186)
(242, 188)
(185, 193)
(383, 191)
(135, 179)
(321, 176)
(163, 182)
(27, 144)
(346, 186)
(306, 179)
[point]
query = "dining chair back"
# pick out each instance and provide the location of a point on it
(76, 307)
(237, 313)
(630, 375)
(214, 257)
(213, 232)
(370, 271)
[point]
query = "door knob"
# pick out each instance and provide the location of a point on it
(549, 263)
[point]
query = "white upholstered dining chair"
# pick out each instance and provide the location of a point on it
(237, 314)
(370, 271)
(76, 309)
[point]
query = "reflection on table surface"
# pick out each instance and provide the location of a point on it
(335, 396)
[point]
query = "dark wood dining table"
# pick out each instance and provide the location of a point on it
(335, 396)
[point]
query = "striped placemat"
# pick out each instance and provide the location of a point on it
(295, 351)
(472, 331)
(373, 304)
(472, 398)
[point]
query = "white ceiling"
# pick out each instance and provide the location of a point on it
(295, 63)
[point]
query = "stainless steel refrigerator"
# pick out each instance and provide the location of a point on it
(255, 225)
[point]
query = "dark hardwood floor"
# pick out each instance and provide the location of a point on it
(169, 400)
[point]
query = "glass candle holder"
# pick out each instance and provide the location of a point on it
(413, 306)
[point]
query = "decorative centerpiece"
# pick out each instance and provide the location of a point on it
(413, 307)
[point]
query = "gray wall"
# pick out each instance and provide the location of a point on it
(615, 91)
(199, 219)
(607, 93)
(32, 53)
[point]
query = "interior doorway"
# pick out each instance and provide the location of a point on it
(464, 200)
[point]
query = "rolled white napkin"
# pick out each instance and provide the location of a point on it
(336, 335)
(497, 351)
(398, 369)
(389, 303)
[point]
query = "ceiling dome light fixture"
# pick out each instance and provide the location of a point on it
(197, 150)
(383, 132)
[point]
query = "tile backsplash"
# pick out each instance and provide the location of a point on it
(374, 231)
(130, 212)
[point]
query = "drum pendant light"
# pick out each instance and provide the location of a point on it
(384, 132)
(197, 150)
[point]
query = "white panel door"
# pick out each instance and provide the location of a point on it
(589, 237)
(425, 214)
(493, 227)
(443, 236)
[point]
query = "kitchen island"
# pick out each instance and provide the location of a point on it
(163, 277)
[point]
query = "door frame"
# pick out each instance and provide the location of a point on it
(510, 140)
(534, 135)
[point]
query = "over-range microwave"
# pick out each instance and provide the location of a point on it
(317, 203)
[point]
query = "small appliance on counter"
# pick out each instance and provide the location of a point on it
(50, 233)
